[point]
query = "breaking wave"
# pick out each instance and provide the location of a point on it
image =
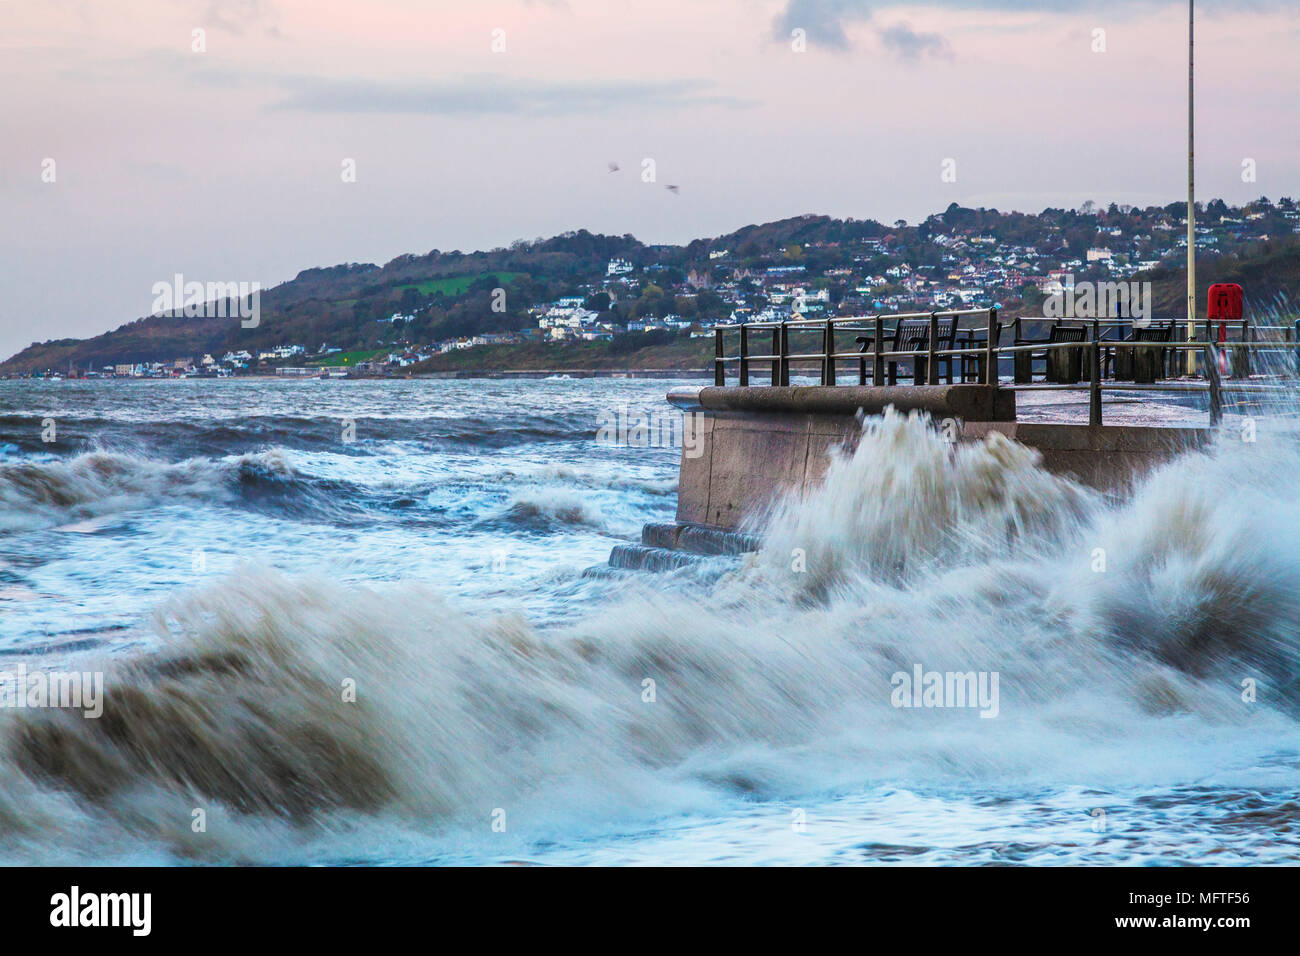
(1121, 631)
(907, 504)
(45, 493)
(196, 435)
(547, 508)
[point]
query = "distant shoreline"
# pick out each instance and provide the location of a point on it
(568, 373)
(642, 373)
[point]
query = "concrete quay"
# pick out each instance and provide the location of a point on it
(754, 445)
(758, 443)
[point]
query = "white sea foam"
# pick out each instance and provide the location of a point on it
(553, 505)
(772, 682)
(63, 491)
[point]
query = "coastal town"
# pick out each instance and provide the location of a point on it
(959, 259)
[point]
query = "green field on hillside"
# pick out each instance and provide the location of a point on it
(349, 358)
(456, 285)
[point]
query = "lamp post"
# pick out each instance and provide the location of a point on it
(1191, 183)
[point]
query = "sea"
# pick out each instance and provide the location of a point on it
(355, 623)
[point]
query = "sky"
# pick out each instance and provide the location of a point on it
(245, 140)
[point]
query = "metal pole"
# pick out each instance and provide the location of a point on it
(1191, 183)
(991, 353)
(719, 373)
(828, 365)
(1094, 385)
(744, 355)
(785, 354)
(1295, 340)
(931, 366)
(1216, 389)
(776, 352)
(878, 346)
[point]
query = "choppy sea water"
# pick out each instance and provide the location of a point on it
(347, 622)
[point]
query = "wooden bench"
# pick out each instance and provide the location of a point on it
(1144, 365)
(912, 335)
(1063, 366)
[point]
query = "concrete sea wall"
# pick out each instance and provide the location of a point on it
(756, 444)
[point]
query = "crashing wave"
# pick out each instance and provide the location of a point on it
(42, 494)
(1121, 633)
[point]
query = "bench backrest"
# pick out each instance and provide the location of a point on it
(915, 334)
(1067, 333)
(1154, 333)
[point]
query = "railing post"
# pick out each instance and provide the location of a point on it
(828, 364)
(1209, 333)
(931, 366)
(1248, 336)
(1216, 386)
(719, 372)
(785, 353)
(878, 347)
(776, 352)
(991, 351)
(1295, 341)
(1094, 385)
(744, 355)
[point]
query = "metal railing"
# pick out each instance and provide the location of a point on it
(877, 363)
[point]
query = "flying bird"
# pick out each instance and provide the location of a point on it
(613, 167)
(675, 190)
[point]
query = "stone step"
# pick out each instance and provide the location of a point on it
(666, 547)
(659, 535)
(638, 557)
(698, 539)
(605, 571)
(704, 540)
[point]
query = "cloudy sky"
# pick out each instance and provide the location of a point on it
(221, 155)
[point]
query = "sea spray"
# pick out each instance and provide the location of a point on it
(958, 560)
(904, 503)
(547, 507)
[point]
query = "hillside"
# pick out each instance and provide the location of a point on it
(684, 354)
(142, 340)
(345, 306)
(1270, 275)
(980, 257)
